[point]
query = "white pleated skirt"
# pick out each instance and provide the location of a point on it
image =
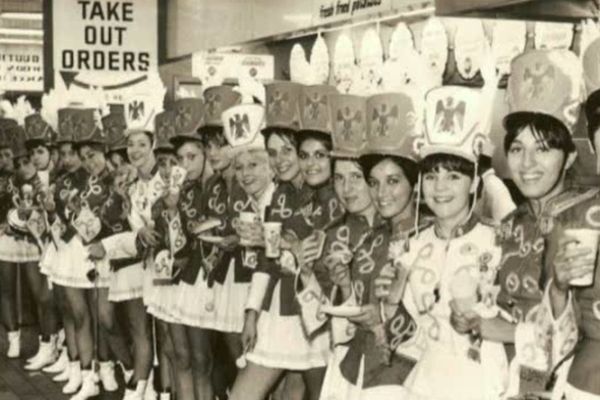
(282, 342)
(194, 305)
(126, 283)
(159, 299)
(73, 266)
(17, 251)
(230, 300)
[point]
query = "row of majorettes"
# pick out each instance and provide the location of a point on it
(374, 295)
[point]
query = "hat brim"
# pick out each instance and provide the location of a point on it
(377, 155)
(513, 120)
(178, 140)
(345, 154)
(431, 150)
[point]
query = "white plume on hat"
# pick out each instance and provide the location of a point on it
(250, 88)
(319, 62)
(21, 110)
(300, 68)
(51, 103)
(345, 70)
(6, 109)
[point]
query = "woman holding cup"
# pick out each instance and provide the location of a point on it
(274, 336)
(575, 278)
(391, 174)
(539, 151)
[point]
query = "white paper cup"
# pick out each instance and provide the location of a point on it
(247, 218)
(587, 238)
(272, 239)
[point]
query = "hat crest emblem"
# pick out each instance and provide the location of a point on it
(537, 80)
(183, 117)
(240, 125)
(450, 117)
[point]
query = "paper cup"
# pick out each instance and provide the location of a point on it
(248, 218)
(272, 239)
(587, 238)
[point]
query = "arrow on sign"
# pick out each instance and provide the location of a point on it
(69, 77)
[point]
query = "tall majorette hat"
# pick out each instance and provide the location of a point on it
(189, 116)
(393, 124)
(37, 131)
(452, 125)
(164, 128)
(314, 105)
(546, 82)
(216, 100)
(282, 105)
(242, 125)
(591, 73)
(5, 125)
(82, 122)
(349, 114)
(114, 125)
(16, 135)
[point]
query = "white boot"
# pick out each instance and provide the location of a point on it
(164, 396)
(137, 393)
(64, 375)
(150, 392)
(75, 378)
(14, 344)
(46, 356)
(60, 365)
(36, 355)
(107, 376)
(89, 386)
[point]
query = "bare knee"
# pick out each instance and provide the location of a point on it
(202, 361)
(183, 359)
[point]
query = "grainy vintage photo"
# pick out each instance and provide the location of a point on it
(299, 199)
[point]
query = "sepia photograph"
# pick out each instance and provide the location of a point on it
(299, 200)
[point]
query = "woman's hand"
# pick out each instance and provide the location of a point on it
(251, 233)
(464, 322)
(249, 331)
(571, 262)
(96, 251)
(369, 316)
(229, 242)
(149, 237)
(311, 248)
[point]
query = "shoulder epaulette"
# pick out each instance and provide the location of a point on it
(571, 198)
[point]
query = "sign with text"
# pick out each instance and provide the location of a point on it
(213, 68)
(21, 68)
(104, 43)
(336, 10)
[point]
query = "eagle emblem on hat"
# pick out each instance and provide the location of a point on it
(383, 118)
(136, 110)
(538, 80)
(450, 116)
(315, 104)
(165, 128)
(240, 125)
(279, 103)
(183, 117)
(36, 127)
(346, 120)
(213, 104)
